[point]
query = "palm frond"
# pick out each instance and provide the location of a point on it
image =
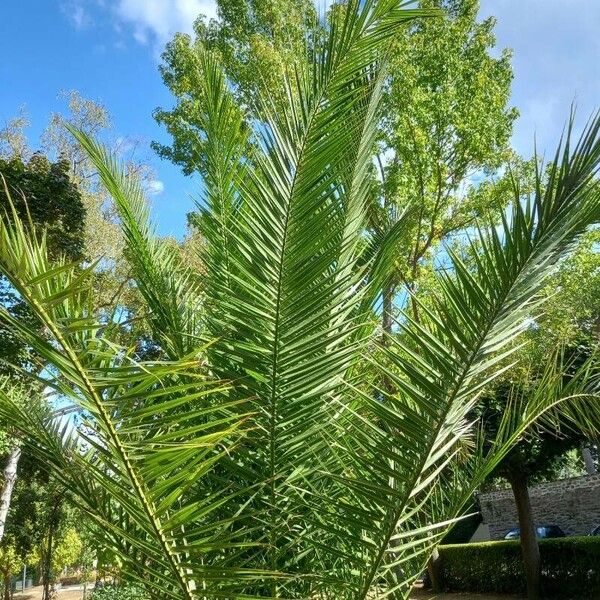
(170, 289)
(441, 365)
(284, 287)
(153, 431)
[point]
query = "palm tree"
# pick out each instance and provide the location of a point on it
(253, 458)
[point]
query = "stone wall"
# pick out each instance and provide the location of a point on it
(572, 504)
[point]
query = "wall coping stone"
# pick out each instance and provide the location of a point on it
(546, 488)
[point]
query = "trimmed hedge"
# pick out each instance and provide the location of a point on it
(570, 567)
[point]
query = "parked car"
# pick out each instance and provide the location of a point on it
(542, 532)
(595, 531)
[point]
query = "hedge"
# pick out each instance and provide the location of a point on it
(570, 567)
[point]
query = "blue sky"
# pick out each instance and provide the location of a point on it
(556, 61)
(109, 51)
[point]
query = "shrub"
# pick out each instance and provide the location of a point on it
(123, 592)
(570, 567)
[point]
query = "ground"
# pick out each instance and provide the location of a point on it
(36, 593)
(419, 594)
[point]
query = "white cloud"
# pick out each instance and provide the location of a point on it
(76, 12)
(155, 187)
(157, 21)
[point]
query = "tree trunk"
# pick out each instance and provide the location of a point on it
(6, 577)
(47, 566)
(52, 529)
(588, 461)
(434, 569)
(10, 477)
(529, 543)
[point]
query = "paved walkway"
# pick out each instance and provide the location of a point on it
(35, 593)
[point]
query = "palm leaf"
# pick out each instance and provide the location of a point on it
(148, 466)
(171, 290)
(442, 364)
(284, 298)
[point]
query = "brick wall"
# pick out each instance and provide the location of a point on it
(572, 504)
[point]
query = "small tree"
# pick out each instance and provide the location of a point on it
(68, 549)
(539, 455)
(572, 318)
(9, 564)
(24, 529)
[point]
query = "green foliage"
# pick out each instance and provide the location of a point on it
(573, 314)
(5, 443)
(67, 550)
(10, 563)
(43, 196)
(249, 458)
(570, 320)
(445, 119)
(123, 592)
(429, 140)
(40, 508)
(13, 141)
(24, 527)
(569, 567)
(43, 191)
(540, 455)
(17, 393)
(256, 42)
